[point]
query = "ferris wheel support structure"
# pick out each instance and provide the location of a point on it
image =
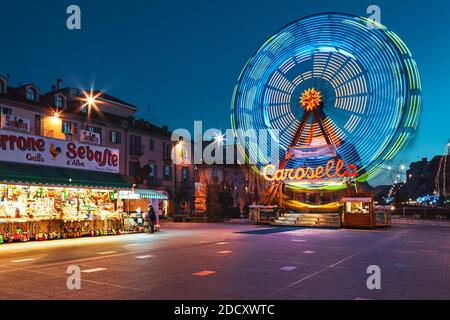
(311, 108)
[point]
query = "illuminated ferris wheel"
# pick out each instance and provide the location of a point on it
(328, 87)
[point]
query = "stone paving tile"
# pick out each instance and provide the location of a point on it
(251, 270)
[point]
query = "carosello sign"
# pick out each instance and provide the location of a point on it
(333, 170)
(24, 148)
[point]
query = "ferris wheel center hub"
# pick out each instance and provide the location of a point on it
(311, 99)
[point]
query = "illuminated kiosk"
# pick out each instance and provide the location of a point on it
(338, 95)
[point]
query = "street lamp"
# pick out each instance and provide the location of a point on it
(56, 115)
(178, 153)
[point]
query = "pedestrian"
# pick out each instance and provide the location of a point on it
(151, 217)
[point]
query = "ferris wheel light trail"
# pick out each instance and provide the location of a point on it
(329, 82)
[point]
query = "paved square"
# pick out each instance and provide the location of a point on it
(234, 261)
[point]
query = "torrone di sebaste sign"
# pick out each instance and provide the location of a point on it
(24, 148)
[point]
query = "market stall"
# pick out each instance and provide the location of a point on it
(44, 213)
(135, 204)
(52, 189)
(262, 214)
(358, 212)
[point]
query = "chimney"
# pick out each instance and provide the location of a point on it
(58, 84)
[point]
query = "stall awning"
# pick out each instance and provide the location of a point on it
(150, 194)
(142, 194)
(18, 173)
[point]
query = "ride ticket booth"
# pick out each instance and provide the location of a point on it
(262, 214)
(358, 212)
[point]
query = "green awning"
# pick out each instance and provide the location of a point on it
(19, 173)
(142, 194)
(150, 194)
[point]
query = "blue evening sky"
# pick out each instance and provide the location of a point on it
(183, 57)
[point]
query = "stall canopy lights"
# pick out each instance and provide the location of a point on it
(142, 194)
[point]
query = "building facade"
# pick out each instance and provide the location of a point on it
(427, 177)
(100, 119)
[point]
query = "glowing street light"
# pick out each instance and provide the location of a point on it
(90, 100)
(56, 117)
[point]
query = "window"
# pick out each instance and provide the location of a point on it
(97, 130)
(185, 174)
(167, 172)
(153, 172)
(115, 137)
(2, 86)
(37, 124)
(134, 168)
(136, 146)
(167, 151)
(152, 145)
(94, 129)
(60, 102)
(7, 111)
(69, 128)
(31, 94)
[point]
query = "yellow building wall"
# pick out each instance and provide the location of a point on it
(53, 128)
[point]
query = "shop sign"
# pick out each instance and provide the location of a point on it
(24, 148)
(333, 170)
(89, 137)
(11, 122)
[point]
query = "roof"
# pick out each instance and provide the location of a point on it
(73, 107)
(105, 96)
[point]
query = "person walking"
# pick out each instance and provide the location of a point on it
(151, 217)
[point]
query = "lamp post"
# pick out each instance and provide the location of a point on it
(178, 155)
